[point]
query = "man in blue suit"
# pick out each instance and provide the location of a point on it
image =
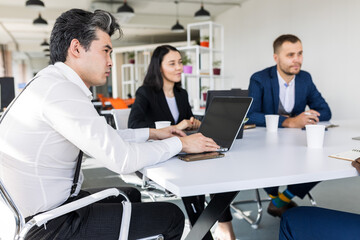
(286, 90)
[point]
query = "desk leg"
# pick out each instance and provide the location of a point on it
(210, 215)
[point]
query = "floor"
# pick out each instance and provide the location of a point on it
(335, 194)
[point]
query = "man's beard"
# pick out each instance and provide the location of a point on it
(290, 73)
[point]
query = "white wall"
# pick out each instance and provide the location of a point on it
(330, 33)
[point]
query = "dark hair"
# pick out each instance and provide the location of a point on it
(284, 38)
(153, 76)
(81, 25)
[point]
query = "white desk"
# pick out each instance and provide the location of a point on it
(260, 160)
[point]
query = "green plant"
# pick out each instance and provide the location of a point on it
(217, 64)
(204, 88)
(131, 55)
(186, 60)
(205, 38)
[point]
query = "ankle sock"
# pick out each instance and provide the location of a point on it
(282, 199)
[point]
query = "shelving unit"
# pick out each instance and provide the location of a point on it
(128, 82)
(203, 58)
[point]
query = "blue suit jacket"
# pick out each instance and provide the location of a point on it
(264, 89)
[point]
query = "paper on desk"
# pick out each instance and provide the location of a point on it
(351, 155)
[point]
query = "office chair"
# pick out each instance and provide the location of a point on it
(22, 227)
(237, 92)
(150, 189)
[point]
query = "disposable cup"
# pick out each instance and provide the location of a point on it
(315, 136)
(272, 122)
(162, 124)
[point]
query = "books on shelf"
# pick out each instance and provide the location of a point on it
(351, 155)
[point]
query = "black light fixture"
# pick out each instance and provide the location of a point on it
(177, 27)
(202, 14)
(40, 21)
(44, 43)
(35, 4)
(125, 10)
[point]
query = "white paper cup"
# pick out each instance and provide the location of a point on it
(272, 122)
(162, 124)
(315, 136)
(196, 104)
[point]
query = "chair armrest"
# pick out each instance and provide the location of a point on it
(42, 218)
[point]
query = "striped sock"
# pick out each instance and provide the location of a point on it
(282, 199)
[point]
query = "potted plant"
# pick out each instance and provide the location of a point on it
(186, 61)
(204, 90)
(216, 67)
(131, 57)
(204, 41)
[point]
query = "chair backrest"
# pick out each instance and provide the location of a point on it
(9, 228)
(121, 117)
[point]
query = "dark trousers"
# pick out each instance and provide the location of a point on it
(305, 223)
(102, 220)
(299, 190)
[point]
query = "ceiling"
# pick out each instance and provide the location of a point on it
(151, 24)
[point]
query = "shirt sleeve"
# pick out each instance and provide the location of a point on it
(134, 135)
(71, 114)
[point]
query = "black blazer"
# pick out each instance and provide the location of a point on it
(151, 106)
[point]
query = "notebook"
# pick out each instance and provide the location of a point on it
(351, 155)
(223, 120)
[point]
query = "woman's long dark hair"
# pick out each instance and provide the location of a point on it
(153, 76)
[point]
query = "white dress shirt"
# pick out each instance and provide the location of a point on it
(286, 93)
(41, 134)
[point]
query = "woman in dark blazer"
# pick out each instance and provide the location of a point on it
(161, 97)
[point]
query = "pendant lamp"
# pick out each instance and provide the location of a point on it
(35, 4)
(125, 10)
(177, 27)
(40, 21)
(202, 14)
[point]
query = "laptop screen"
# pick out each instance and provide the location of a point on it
(224, 118)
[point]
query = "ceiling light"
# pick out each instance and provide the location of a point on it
(202, 14)
(44, 43)
(177, 27)
(40, 21)
(125, 10)
(35, 4)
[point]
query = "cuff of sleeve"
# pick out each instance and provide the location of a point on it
(142, 134)
(281, 120)
(174, 145)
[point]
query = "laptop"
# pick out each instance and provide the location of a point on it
(223, 120)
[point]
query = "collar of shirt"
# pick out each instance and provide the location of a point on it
(72, 76)
(283, 83)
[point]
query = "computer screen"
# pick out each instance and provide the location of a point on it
(7, 91)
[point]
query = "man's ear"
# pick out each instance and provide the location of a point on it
(276, 57)
(75, 48)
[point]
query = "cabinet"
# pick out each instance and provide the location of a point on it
(203, 58)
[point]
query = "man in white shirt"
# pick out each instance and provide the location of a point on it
(43, 130)
(286, 90)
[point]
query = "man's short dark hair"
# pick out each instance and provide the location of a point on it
(81, 25)
(284, 38)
